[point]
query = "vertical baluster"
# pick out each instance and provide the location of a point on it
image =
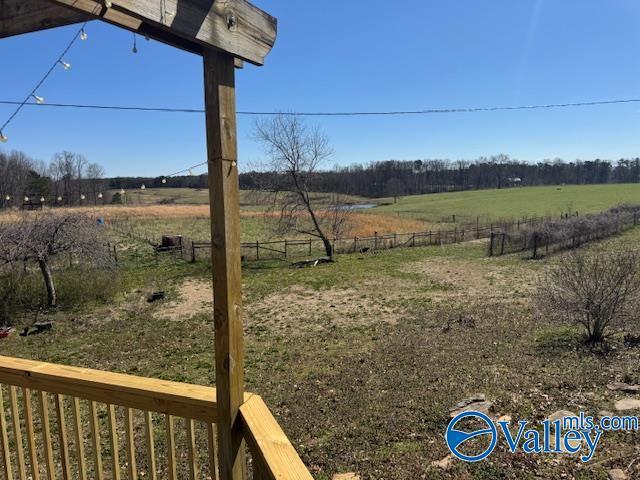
(6, 453)
(31, 438)
(79, 437)
(115, 454)
(131, 449)
(171, 449)
(46, 436)
(213, 452)
(151, 446)
(17, 432)
(64, 440)
(95, 436)
(191, 446)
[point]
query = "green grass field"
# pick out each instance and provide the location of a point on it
(514, 202)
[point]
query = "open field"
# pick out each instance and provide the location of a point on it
(362, 359)
(492, 205)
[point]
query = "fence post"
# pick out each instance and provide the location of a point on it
(395, 240)
(504, 235)
(115, 253)
(477, 227)
(535, 245)
(375, 240)
(453, 217)
(193, 252)
(257, 250)
(413, 239)
(355, 244)
(491, 244)
(455, 234)
(429, 237)
(285, 248)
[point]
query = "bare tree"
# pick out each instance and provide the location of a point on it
(296, 153)
(43, 238)
(95, 174)
(598, 290)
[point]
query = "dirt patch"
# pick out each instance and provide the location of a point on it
(361, 305)
(479, 279)
(194, 296)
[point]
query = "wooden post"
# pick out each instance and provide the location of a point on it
(224, 201)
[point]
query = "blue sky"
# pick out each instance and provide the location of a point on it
(339, 55)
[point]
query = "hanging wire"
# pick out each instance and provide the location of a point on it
(335, 114)
(32, 93)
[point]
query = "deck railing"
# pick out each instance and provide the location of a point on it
(61, 422)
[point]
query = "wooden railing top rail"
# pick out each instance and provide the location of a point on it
(162, 396)
(274, 456)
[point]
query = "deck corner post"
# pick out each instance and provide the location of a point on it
(219, 77)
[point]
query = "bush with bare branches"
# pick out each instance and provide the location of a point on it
(41, 239)
(598, 290)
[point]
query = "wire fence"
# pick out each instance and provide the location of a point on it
(193, 250)
(553, 235)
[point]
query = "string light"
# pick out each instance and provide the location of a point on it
(41, 199)
(26, 199)
(83, 34)
(164, 180)
(7, 198)
(59, 199)
(135, 44)
(143, 187)
(82, 197)
(122, 192)
(100, 195)
(32, 94)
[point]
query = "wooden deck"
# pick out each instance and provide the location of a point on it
(124, 425)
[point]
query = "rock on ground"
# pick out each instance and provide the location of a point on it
(346, 476)
(627, 404)
(617, 474)
(477, 403)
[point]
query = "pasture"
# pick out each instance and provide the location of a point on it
(362, 359)
(491, 205)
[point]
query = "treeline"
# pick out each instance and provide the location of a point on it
(396, 178)
(68, 179)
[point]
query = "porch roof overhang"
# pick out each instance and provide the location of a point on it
(233, 26)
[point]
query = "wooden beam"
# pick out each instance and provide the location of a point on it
(232, 26)
(224, 201)
(272, 451)
(23, 16)
(180, 399)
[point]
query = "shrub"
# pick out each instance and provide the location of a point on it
(597, 290)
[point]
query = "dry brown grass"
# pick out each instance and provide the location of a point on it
(362, 224)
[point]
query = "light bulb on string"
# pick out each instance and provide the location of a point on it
(83, 35)
(26, 199)
(164, 180)
(82, 197)
(7, 198)
(3, 138)
(100, 195)
(143, 187)
(41, 199)
(59, 199)
(122, 192)
(39, 100)
(135, 44)
(65, 65)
